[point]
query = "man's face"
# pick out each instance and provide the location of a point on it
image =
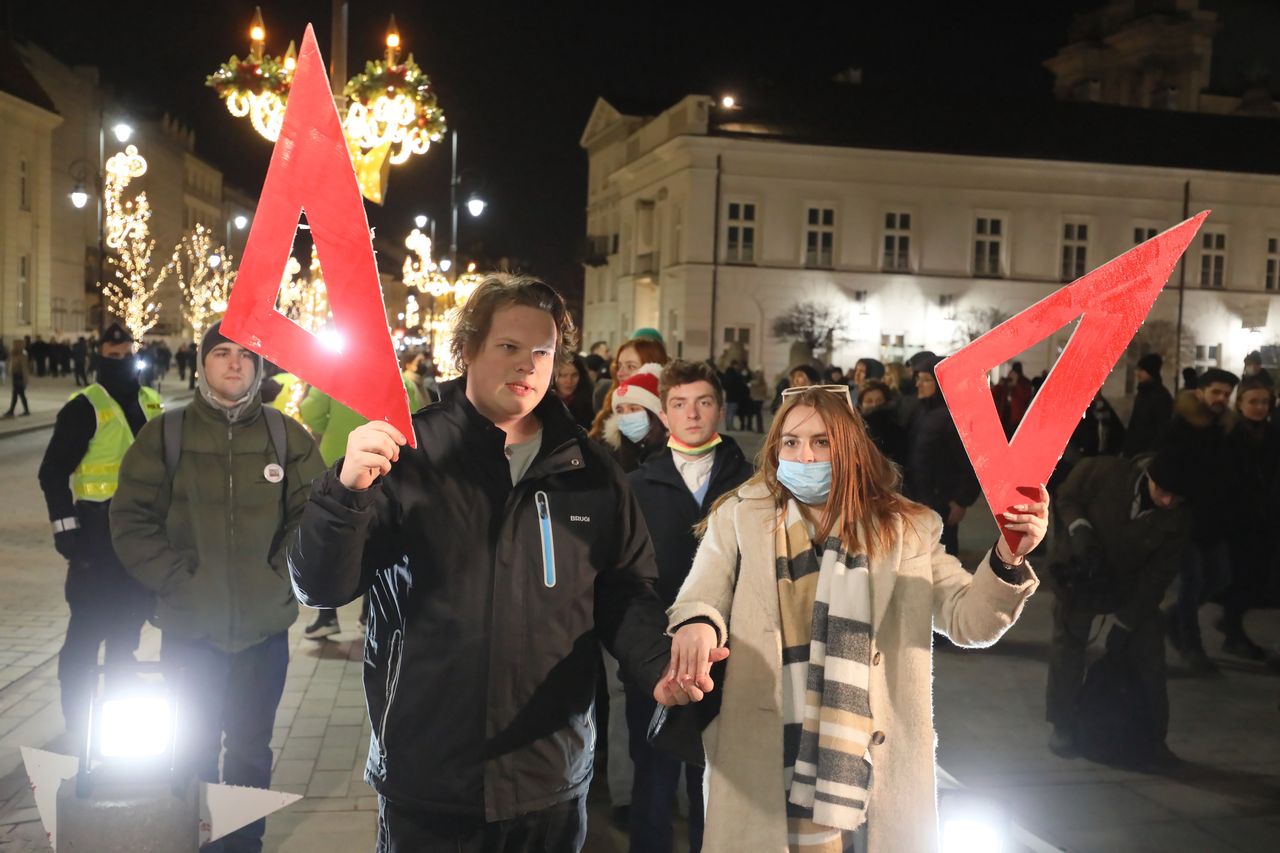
(601, 350)
(1255, 404)
(1251, 368)
(117, 351)
(1160, 497)
(799, 379)
(228, 370)
(1216, 396)
(510, 372)
(692, 412)
(926, 385)
(1141, 375)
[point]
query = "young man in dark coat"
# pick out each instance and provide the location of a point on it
(938, 472)
(1125, 527)
(497, 555)
(676, 488)
(1152, 407)
(1199, 427)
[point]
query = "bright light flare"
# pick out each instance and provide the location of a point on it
(240, 222)
(136, 727)
(728, 102)
(122, 132)
(971, 835)
(79, 198)
(331, 339)
(476, 206)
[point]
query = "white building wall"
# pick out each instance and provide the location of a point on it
(943, 194)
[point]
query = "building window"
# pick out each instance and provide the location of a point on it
(1213, 259)
(1143, 233)
(737, 335)
(1207, 356)
(1075, 250)
(819, 237)
(988, 236)
(897, 242)
(24, 186)
(1273, 264)
(740, 242)
(893, 346)
(24, 290)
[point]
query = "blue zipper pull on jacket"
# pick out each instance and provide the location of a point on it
(548, 544)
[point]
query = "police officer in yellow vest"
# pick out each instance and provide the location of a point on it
(78, 476)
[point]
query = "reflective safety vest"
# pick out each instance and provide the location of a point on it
(98, 474)
(281, 403)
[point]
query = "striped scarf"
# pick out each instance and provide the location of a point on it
(824, 599)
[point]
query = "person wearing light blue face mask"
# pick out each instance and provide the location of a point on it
(635, 432)
(818, 570)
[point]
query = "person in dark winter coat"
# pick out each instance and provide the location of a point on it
(737, 393)
(938, 472)
(1199, 426)
(1253, 369)
(676, 488)
(874, 402)
(80, 475)
(574, 387)
(635, 431)
(798, 376)
(1256, 448)
(1124, 529)
(498, 554)
(1152, 407)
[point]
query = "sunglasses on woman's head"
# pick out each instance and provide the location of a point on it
(838, 390)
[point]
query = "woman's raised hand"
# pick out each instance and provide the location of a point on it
(1032, 521)
(693, 649)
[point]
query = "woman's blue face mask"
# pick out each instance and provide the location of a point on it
(634, 425)
(810, 482)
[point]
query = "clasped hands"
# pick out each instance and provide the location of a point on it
(694, 648)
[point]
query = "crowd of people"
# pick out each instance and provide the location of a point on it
(573, 524)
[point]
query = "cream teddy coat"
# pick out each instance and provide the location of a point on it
(915, 586)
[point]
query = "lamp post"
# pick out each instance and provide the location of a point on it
(80, 171)
(475, 206)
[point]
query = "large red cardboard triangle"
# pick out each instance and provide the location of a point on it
(311, 170)
(1111, 302)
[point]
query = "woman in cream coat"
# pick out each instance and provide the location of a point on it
(731, 598)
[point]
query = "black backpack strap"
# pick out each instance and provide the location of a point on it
(275, 428)
(171, 424)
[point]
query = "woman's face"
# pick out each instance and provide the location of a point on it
(804, 437)
(859, 373)
(628, 363)
(1255, 404)
(873, 400)
(566, 380)
(627, 408)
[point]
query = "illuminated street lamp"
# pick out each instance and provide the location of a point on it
(475, 206)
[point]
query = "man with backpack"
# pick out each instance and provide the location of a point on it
(1126, 528)
(208, 496)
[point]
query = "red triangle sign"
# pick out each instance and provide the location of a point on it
(311, 169)
(1111, 302)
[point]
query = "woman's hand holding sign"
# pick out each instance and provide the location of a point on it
(371, 450)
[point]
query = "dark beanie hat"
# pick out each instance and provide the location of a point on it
(1152, 363)
(927, 364)
(923, 355)
(213, 337)
(874, 369)
(1171, 469)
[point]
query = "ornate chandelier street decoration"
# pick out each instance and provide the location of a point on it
(423, 274)
(391, 112)
(130, 295)
(419, 270)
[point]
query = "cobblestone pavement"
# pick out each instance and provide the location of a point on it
(989, 717)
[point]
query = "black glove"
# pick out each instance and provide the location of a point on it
(68, 542)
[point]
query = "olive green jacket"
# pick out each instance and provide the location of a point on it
(212, 547)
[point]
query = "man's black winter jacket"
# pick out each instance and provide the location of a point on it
(487, 604)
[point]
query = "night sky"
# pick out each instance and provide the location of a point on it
(518, 80)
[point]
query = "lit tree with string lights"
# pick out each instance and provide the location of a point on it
(304, 298)
(130, 294)
(205, 275)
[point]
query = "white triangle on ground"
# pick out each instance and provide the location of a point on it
(223, 808)
(45, 772)
(226, 808)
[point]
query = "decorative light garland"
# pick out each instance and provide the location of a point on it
(128, 295)
(392, 112)
(304, 299)
(419, 270)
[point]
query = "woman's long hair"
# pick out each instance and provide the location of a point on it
(650, 352)
(579, 403)
(864, 483)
